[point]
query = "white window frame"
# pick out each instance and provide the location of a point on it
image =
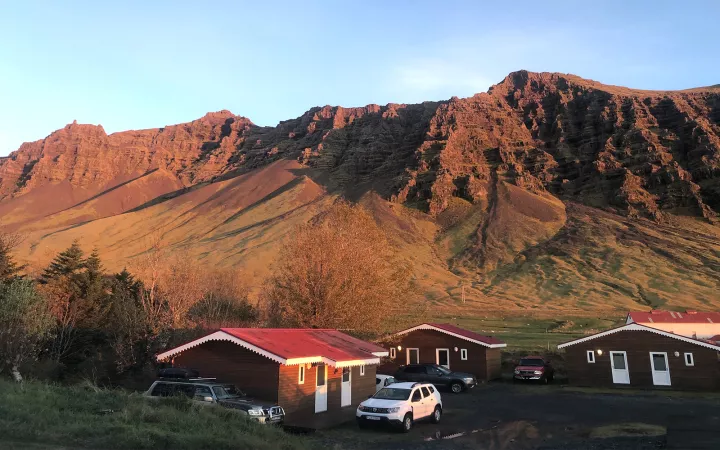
(407, 355)
(392, 353)
(301, 374)
(362, 371)
(692, 359)
(590, 356)
(463, 354)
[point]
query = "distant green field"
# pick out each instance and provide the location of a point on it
(529, 333)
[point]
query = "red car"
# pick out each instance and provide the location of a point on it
(534, 368)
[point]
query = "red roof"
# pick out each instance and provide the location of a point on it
(659, 316)
(715, 338)
(462, 333)
(295, 346)
(291, 343)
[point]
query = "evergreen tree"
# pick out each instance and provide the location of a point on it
(9, 270)
(68, 263)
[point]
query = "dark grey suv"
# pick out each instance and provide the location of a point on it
(210, 391)
(437, 375)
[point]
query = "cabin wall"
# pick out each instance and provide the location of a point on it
(254, 374)
(703, 375)
(483, 362)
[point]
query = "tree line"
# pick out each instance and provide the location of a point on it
(338, 271)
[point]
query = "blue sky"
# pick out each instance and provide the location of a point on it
(131, 65)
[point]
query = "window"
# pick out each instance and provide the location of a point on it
(432, 389)
(389, 381)
(362, 370)
(591, 356)
(201, 392)
(320, 375)
(417, 396)
(301, 375)
(392, 353)
(463, 354)
(414, 369)
(689, 359)
(433, 371)
(161, 390)
(425, 391)
(413, 356)
(346, 375)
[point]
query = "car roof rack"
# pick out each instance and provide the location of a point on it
(181, 380)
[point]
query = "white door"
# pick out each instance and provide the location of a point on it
(321, 388)
(418, 403)
(413, 356)
(620, 372)
(346, 387)
(660, 368)
(442, 357)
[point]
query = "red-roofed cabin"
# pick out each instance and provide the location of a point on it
(306, 371)
(694, 324)
(457, 349)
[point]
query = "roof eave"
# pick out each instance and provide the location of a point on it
(426, 326)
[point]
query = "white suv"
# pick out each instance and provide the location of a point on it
(401, 404)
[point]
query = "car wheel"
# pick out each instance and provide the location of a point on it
(456, 387)
(407, 423)
(436, 414)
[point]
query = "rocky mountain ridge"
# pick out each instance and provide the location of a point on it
(499, 176)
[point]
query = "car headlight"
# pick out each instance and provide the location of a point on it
(393, 410)
(538, 372)
(255, 412)
(362, 408)
(517, 370)
(468, 380)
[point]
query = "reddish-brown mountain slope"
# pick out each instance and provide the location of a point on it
(512, 192)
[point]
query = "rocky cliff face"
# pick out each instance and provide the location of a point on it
(497, 173)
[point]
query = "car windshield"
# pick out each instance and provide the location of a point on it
(227, 391)
(443, 370)
(392, 394)
(534, 362)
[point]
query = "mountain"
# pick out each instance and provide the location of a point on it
(549, 191)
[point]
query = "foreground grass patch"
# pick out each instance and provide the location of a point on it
(110, 419)
(628, 430)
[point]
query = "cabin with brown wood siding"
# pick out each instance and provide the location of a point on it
(635, 355)
(455, 348)
(310, 373)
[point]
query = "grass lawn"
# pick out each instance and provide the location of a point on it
(40, 416)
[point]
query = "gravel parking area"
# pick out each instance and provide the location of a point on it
(506, 416)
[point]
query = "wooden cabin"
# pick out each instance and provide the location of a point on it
(636, 355)
(306, 371)
(455, 348)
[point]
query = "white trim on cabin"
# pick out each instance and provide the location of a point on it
(637, 327)
(425, 326)
(223, 336)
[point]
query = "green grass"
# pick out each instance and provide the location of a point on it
(38, 415)
(525, 333)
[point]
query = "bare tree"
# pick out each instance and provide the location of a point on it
(339, 271)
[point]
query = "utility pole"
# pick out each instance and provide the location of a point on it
(463, 293)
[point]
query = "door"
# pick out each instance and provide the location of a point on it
(419, 408)
(346, 388)
(413, 356)
(660, 368)
(620, 372)
(442, 357)
(321, 388)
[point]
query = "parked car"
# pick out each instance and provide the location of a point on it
(383, 380)
(437, 375)
(401, 405)
(534, 368)
(210, 391)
